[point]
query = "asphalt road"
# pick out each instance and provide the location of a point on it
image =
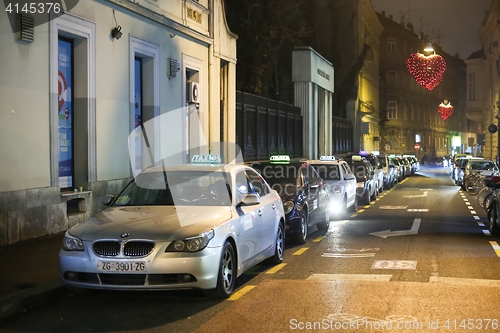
(418, 259)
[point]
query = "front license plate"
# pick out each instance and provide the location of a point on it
(121, 266)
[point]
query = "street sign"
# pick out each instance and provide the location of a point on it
(417, 146)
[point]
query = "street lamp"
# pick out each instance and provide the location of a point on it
(429, 48)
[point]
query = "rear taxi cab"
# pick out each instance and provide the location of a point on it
(339, 181)
(304, 195)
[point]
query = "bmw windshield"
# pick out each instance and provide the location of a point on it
(185, 188)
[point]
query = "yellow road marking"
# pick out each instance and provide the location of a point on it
(377, 199)
(361, 211)
(345, 221)
(299, 252)
(354, 215)
(495, 247)
(367, 206)
(275, 269)
(240, 293)
(318, 239)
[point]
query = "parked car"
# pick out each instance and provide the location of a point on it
(460, 169)
(339, 181)
(365, 177)
(484, 167)
(178, 227)
(399, 167)
(378, 173)
(453, 163)
(304, 195)
(389, 169)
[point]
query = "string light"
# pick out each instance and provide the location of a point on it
(427, 70)
(445, 109)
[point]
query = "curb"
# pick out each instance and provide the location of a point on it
(28, 299)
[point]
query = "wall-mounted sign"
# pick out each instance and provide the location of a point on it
(309, 66)
(417, 138)
(194, 15)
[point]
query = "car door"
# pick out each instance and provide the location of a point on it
(350, 183)
(317, 191)
(310, 193)
(267, 213)
(248, 232)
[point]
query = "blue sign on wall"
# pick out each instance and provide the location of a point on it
(65, 119)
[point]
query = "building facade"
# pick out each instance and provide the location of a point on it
(486, 74)
(101, 92)
(408, 110)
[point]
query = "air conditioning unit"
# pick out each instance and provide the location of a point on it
(193, 93)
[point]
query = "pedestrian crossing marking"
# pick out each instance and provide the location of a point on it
(240, 293)
(275, 268)
(299, 252)
(496, 248)
(486, 232)
(318, 239)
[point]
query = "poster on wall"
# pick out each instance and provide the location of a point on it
(65, 115)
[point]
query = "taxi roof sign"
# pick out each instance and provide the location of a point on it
(210, 159)
(280, 159)
(327, 158)
(357, 158)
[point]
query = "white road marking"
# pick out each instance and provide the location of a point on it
(480, 224)
(473, 212)
(486, 232)
(393, 207)
(470, 207)
(476, 217)
(389, 233)
(465, 282)
(394, 264)
(354, 277)
(348, 255)
(416, 196)
(417, 210)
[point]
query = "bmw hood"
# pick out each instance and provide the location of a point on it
(165, 223)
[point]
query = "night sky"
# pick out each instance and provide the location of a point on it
(457, 20)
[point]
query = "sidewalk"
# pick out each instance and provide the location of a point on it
(29, 274)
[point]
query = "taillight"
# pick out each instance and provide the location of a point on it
(495, 179)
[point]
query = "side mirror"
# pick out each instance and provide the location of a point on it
(250, 200)
(107, 199)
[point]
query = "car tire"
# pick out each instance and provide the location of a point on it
(301, 236)
(226, 278)
(366, 197)
(354, 207)
(279, 246)
(493, 217)
(372, 197)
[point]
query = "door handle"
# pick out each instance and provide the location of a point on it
(260, 212)
(274, 206)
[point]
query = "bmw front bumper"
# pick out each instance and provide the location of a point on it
(164, 270)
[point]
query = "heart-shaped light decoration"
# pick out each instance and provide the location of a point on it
(427, 70)
(445, 109)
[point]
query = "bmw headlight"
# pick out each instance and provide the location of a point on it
(71, 243)
(191, 244)
(288, 206)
